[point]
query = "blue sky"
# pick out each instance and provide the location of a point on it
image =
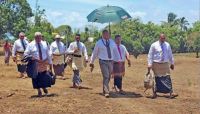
(74, 12)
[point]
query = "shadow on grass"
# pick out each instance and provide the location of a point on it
(82, 87)
(49, 95)
(161, 96)
(126, 94)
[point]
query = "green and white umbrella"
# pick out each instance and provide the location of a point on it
(108, 14)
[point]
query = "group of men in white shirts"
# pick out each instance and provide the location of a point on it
(49, 58)
(111, 54)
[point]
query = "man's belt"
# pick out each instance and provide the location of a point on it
(20, 52)
(106, 60)
(77, 55)
(58, 54)
(160, 62)
(114, 62)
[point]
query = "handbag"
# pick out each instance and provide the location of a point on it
(31, 68)
(65, 65)
(148, 81)
(52, 77)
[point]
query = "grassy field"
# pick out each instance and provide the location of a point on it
(16, 94)
(1, 51)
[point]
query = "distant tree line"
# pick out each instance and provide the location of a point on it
(17, 16)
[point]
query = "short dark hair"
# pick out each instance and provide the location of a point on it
(104, 31)
(118, 35)
(77, 34)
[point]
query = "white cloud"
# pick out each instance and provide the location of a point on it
(56, 14)
(96, 2)
(194, 13)
(139, 14)
(74, 19)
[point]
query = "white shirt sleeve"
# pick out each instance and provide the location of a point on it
(27, 51)
(70, 49)
(51, 49)
(126, 52)
(94, 53)
(49, 57)
(150, 56)
(14, 50)
(171, 58)
(85, 52)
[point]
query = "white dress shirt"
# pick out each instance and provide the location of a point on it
(116, 53)
(82, 49)
(100, 50)
(18, 46)
(159, 55)
(33, 50)
(57, 48)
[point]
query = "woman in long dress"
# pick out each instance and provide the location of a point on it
(7, 51)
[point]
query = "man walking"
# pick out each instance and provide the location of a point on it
(104, 51)
(160, 60)
(120, 55)
(77, 50)
(39, 51)
(17, 53)
(57, 50)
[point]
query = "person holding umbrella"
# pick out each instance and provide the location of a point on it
(104, 51)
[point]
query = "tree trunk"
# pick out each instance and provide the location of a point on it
(197, 54)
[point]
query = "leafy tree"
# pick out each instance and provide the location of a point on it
(14, 16)
(65, 30)
(40, 24)
(137, 48)
(193, 38)
(183, 24)
(46, 29)
(172, 19)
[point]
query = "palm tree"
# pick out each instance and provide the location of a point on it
(183, 24)
(86, 34)
(172, 19)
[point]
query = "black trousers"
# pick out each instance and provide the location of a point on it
(118, 81)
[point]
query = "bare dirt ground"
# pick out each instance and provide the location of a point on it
(16, 95)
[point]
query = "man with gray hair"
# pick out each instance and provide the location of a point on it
(39, 51)
(17, 53)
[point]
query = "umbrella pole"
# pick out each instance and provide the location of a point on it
(109, 28)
